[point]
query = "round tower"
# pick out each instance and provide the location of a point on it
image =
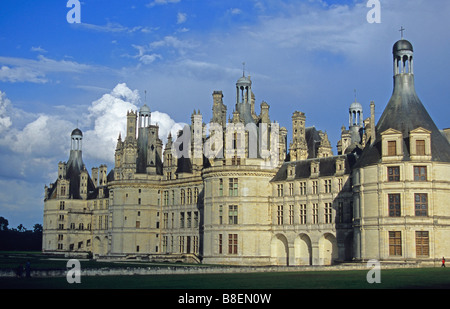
(144, 116)
(76, 139)
(243, 90)
(403, 57)
(355, 122)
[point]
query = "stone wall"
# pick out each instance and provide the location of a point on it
(185, 270)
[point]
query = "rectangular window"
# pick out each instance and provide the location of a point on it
(303, 188)
(220, 243)
(340, 212)
(392, 148)
(394, 205)
(195, 219)
(291, 189)
(220, 187)
(315, 187)
(189, 219)
(183, 197)
(232, 214)
(165, 220)
(166, 198)
(189, 196)
(195, 244)
(138, 224)
(233, 187)
(340, 184)
(280, 190)
(395, 243)
(235, 160)
(420, 147)
(421, 204)
(420, 173)
(328, 213)
(181, 244)
(182, 220)
(232, 243)
(291, 214)
(280, 215)
(393, 173)
(195, 195)
(422, 243)
(315, 213)
(302, 213)
(327, 186)
(164, 243)
(220, 214)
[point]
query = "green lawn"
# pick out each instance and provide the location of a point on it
(410, 278)
(428, 278)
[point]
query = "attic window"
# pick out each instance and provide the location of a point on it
(420, 147)
(392, 148)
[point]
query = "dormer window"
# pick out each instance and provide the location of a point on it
(291, 171)
(420, 147)
(315, 169)
(420, 144)
(392, 148)
(391, 145)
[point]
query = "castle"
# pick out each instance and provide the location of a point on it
(235, 192)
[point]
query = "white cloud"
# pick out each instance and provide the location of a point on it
(29, 70)
(39, 138)
(181, 18)
(38, 49)
(143, 57)
(21, 74)
(161, 2)
(171, 41)
(113, 28)
(5, 121)
(235, 11)
(147, 59)
(108, 115)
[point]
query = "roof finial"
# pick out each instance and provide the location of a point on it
(401, 30)
(243, 69)
(145, 96)
(354, 90)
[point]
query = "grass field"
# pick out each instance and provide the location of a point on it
(407, 278)
(424, 278)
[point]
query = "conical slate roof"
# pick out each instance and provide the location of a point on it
(405, 112)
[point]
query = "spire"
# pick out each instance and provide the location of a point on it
(401, 30)
(405, 111)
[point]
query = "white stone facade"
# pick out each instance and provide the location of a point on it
(241, 196)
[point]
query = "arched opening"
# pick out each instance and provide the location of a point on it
(328, 250)
(279, 250)
(303, 250)
(100, 246)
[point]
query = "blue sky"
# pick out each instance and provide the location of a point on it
(302, 55)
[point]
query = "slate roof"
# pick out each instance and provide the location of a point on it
(405, 112)
(327, 167)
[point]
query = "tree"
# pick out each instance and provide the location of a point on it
(37, 228)
(3, 224)
(21, 228)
